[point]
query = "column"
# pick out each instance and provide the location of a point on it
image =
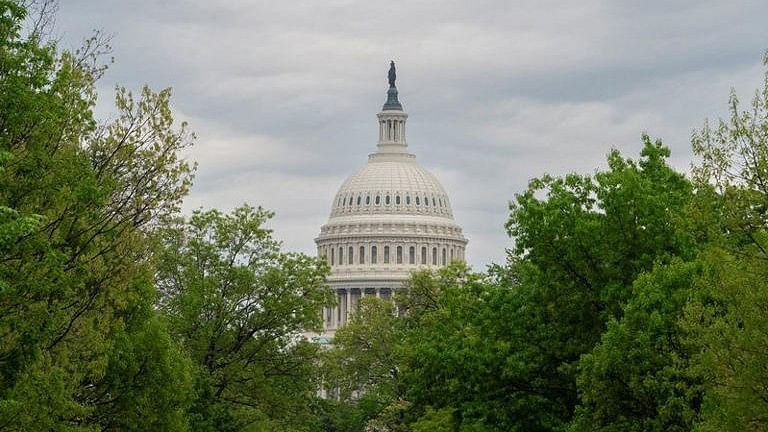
(349, 304)
(333, 312)
(394, 131)
(378, 293)
(323, 315)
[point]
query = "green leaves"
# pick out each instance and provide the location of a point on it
(80, 342)
(239, 305)
(637, 377)
(728, 319)
(728, 322)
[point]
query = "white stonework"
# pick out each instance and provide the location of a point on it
(389, 218)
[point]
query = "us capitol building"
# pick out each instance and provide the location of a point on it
(389, 218)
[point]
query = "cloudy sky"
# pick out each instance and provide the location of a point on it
(283, 94)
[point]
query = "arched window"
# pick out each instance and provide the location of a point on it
(351, 254)
(424, 255)
(333, 261)
(426, 201)
(362, 254)
(443, 256)
(374, 255)
(386, 254)
(412, 255)
(433, 202)
(418, 201)
(378, 200)
(367, 200)
(358, 200)
(386, 200)
(399, 254)
(434, 256)
(451, 254)
(341, 255)
(397, 199)
(408, 200)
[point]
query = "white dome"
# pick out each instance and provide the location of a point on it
(388, 219)
(394, 185)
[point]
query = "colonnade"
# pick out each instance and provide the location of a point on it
(392, 130)
(373, 253)
(347, 302)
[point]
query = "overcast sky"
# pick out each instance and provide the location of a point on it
(283, 94)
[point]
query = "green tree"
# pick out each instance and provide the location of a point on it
(457, 353)
(239, 305)
(688, 351)
(362, 360)
(728, 319)
(580, 243)
(360, 368)
(77, 206)
(638, 378)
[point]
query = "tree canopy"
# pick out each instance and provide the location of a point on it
(634, 298)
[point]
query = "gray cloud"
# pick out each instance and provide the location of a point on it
(283, 95)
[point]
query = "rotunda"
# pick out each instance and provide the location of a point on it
(389, 218)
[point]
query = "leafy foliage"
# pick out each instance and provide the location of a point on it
(638, 377)
(729, 319)
(239, 306)
(79, 340)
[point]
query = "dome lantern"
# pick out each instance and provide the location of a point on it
(392, 123)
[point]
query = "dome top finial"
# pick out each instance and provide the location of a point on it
(392, 74)
(392, 104)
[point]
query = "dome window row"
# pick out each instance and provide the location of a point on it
(439, 254)
(437, 202)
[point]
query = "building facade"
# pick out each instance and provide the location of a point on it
(389, 218)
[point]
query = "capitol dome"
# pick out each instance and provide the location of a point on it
(392, 187)
(389, 218)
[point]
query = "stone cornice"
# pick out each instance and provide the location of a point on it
(379, 239)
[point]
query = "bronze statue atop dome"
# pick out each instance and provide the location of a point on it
(392, 75)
